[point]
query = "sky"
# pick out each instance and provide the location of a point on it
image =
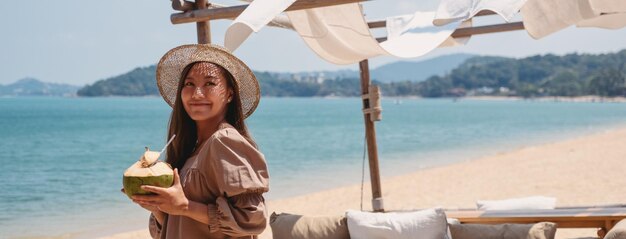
(80, 42)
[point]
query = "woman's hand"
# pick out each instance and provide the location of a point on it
(170, 200)
(152, 209)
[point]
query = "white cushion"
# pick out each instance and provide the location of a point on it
(536, 202)
(453, 221)
(424, 224)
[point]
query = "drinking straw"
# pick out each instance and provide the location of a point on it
(163, 150)
(168, 143)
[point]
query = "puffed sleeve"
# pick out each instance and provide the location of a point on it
(242, 177)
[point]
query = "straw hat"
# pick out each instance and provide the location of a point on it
(170, 69)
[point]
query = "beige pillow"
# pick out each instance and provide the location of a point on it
(618, 231)
(286, 225)
(542, 230)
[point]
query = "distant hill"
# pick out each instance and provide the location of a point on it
(418, 71)
(34, 87)
(142, 81)
(139, 82)
(452, 75)
(393, 72)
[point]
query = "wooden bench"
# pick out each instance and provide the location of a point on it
(603, 218)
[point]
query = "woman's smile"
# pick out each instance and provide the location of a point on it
(199, 104)
(199, 109)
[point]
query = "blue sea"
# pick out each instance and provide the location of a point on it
(63, 158)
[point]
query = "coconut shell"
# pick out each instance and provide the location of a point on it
(159, 174)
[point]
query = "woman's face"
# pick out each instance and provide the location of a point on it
(205, 93)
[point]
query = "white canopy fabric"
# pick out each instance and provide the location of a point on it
(258, 14)
(609, 14)
(607, 6)
(414, 35)
(542, 17)
(612, 21)
(462, 10)
(340, 34)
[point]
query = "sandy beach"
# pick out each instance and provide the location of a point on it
(582, 171)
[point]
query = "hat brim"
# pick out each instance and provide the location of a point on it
(171, 66)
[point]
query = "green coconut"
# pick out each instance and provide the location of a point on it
(147, 171)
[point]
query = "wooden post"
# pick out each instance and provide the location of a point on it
(204, 29)
(370, 135)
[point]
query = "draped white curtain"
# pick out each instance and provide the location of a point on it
(542, 17)
(340, 34)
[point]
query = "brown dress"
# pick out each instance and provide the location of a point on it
(229, 175)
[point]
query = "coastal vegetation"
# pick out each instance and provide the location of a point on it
(548, 75)
(535, 76)
(139, 82)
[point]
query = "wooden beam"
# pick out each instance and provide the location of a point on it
(470, 31)
(203, 27)
(370, 135)
(200, 15)
(505, 27)
(377, 24)
(182, 5)
(383, 23)
(279, 21)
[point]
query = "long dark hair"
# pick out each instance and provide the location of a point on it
(185, 129)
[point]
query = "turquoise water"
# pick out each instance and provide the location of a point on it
(63, 158)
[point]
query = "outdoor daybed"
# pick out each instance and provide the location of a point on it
(458, 224)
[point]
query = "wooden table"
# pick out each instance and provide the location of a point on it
(603, 218)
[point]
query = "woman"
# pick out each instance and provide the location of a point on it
(218, 192)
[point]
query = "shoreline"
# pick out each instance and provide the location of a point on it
(586, 98)
(396, 164)
(550, 169)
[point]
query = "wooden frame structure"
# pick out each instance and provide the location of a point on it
(201, 13)
(604, 218)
